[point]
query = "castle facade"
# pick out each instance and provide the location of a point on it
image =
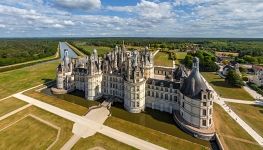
(130, 77)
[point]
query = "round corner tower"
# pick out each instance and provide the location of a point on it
(134, 86)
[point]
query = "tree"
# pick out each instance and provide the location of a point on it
(234, 79)
(188, 61)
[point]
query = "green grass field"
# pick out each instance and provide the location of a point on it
(10, 104)
(99, 140)
(60, 103)
(180, 55)
(22, 132)
(150, 135)
(27, 133)
(232, 136)
(225, 90)
(20, 79)
(89, 48)
(161, 59)
(251, 114)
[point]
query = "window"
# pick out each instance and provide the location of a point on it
(161, 95)
(204, 103)
(204, 97)
(183, 105)
(138, 104)
(210, 121)
(210, 111)
(152, 94)
(204, 112)
(138, 96)
(204, 122)
(166, 96)
(157, 95)
(148, 93)
(175, 98)
(211, 102)
(161, 89)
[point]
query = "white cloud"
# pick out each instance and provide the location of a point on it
(147, 9)
(79, 4)
(58, 26)
(2, 26)
(69, 22)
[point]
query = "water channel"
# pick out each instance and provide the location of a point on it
(63, 46)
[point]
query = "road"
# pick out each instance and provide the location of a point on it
(92, 125)
(232, 114)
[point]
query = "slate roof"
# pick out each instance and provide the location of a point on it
(180, 72)
(165, 83)
(194, 84)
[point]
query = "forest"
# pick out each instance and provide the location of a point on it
(21, 50)
(14, 51)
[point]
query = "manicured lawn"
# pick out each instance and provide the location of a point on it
(225, 90)
(180, 55)
(251, 114)
(30, 134)
(99, 140)
(20, 79)
(60, 103)
(230, 132)
(10, 104)
(161, 59)
(150, 135)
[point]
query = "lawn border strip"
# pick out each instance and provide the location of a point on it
(14, 112)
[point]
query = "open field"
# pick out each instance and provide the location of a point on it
(10, 104)
(27, 133)
(180, 55)
(251, 114)
(150, 135)
(226, 54)
(232, 136)
(99, 140)
(22, 137)
(161, 59)
(225, 90)
(21, 79)
(60, 103)
(30, 63)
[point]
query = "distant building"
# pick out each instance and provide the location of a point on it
(257, 78)
(129, 77)
(231, 66)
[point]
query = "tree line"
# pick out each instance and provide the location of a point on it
(14, 51)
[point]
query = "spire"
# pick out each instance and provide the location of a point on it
(196, 63)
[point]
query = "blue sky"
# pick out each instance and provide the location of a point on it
(131, 18)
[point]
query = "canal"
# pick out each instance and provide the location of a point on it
(63, 46)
